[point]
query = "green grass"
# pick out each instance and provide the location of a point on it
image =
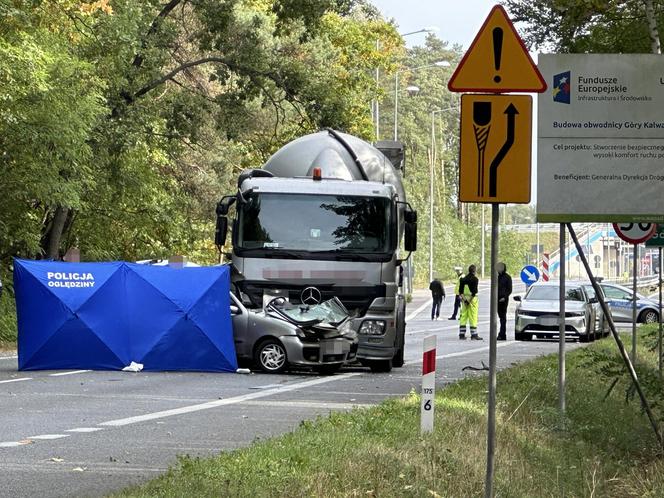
(7, 321)
(606, 448)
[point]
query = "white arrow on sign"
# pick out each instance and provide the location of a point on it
(531, 276)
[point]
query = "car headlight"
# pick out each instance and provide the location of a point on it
(372, 327)
(575, 313)
(523, 313)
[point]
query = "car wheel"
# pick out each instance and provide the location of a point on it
(380, 366)
(649, 316)
(584, 338)
(522, 336)
(328, 369)
(271, 356)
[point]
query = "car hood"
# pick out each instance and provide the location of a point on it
(272, 320)
(551, 306)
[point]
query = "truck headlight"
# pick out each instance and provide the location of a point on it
(372, 327)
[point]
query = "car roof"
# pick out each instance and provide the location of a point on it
(556, 283)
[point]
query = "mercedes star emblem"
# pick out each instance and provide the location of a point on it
(310, 295)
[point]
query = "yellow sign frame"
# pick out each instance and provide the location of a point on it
(496, 148)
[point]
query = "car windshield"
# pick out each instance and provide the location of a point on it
(331, 312)
(550, 293)
(314, 223)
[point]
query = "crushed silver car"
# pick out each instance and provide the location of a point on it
(282, 335)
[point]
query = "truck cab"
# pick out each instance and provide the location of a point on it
(313, 237)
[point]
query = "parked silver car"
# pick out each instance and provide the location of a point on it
(282, 335)
(537, 312)
(619, 299)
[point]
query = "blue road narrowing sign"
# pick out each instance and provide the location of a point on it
(529, 275)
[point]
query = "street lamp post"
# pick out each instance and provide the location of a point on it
(375, 110)
(431, 180)
(412, 90)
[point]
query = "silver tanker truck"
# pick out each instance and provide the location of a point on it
(325, 217)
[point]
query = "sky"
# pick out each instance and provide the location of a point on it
(458, 20)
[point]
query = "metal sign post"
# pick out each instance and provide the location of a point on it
(561, 327)
(493, 335)
(635, 248)
(657, 240)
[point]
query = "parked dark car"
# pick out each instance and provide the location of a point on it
(282, 335)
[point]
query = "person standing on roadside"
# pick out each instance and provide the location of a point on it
(470, 304)
(437, 294)
(504, 291)
(457, 295)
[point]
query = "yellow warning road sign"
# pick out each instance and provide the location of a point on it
(496, 140)
(497, 61)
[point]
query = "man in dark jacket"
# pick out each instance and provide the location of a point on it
(504, 291)
(437, 294)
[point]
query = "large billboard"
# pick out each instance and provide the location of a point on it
(600, 149)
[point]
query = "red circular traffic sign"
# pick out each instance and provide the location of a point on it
(635, 233)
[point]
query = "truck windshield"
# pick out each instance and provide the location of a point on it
(314, 223)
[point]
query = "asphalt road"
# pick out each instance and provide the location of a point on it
(84, 433)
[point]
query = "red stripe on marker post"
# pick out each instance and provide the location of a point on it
(429, 361)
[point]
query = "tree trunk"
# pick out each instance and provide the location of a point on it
(54, 234)
(655, 46)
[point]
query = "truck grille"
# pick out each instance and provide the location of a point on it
(355, 299)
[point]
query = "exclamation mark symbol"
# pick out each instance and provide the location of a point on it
(497, 51)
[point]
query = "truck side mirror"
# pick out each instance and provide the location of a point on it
(410, 237)
(221, 231)
(410, 216)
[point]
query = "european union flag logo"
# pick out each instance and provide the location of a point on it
(561, 87)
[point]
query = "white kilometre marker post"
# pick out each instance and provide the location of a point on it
(428, 384)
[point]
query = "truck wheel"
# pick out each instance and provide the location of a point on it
(397, 361)
(380, 366)
(271, 356)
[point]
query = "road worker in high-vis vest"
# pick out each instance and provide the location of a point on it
(470, 304)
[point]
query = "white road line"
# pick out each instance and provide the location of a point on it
(48, 437)
(85, 429)
(9, 357)
(12, 444)
(21, 379)
(418, 310)
(62, 374)
(228, 401)
(309, 404)
(470, 351)
(444, 327)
